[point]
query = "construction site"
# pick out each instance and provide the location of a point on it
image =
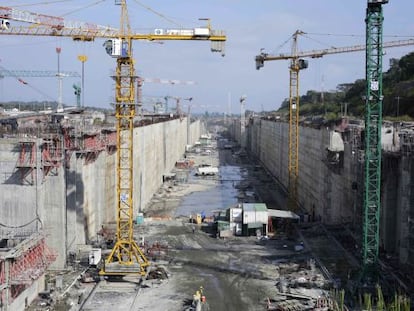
(137, 209)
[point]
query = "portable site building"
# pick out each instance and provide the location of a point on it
(255, 218)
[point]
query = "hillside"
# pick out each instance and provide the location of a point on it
(398, 90)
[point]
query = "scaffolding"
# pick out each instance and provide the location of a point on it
(22, 265)
(26, 164)
(88, 144)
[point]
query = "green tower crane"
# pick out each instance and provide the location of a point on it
(372, 147)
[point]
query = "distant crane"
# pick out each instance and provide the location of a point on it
(297, 63)
(141, 81)
(178, 99)
(18, 74)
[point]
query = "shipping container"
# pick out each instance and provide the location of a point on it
(255, 213)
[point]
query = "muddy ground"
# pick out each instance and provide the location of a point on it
(237, 273)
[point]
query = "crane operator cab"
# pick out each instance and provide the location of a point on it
(116, 47)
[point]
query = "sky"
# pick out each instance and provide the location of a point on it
(220, 82)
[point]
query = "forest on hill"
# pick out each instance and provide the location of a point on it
(398, 91)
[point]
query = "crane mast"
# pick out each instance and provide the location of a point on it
(373, 122)
(126, 252)
(296, 65)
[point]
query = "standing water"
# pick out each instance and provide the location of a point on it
(222, 196)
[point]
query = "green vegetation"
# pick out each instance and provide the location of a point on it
(398, 90)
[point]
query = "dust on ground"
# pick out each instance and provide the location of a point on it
(237, 273)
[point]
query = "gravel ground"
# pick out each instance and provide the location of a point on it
(237, 273)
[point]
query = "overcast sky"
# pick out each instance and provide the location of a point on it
(220, 81)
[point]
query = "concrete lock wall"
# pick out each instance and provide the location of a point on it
(91, 189)
(75, 199)
(32, 198)
(334, 194)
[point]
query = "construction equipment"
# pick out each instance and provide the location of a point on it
(297, 63)
(178, 109)
(141, 81)
(18, 74)
(36, 73)
(372, 142)
(126, 257)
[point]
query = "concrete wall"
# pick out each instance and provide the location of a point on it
(322, 191)
(32, 199)
(75, 199)
(91, 188)
(333, 193)
(27, 296)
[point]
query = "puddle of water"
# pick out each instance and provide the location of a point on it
(220, 197)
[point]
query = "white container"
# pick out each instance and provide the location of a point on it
(255, 213)
(262, 217)
(95, 256)
(236, 214)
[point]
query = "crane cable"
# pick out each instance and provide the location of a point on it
(40, 3)
(59, 1)
(82, 8)
(20, 80)
(282, 45)
(159, 14)
(304, 34)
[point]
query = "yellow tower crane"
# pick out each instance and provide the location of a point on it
(126, 257)
(297, 63)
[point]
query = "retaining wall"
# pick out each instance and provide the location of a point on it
(333, 193)
(74, 200)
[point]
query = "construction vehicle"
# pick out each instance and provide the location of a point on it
(126, 256)
(206, 170)
(297, 63)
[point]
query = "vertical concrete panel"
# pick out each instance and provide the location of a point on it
(318, 185)
(19, 202)
(161, 145)
(390, 197)
(74, 211)
(53, 204)
(405, 211)
(94, 200)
